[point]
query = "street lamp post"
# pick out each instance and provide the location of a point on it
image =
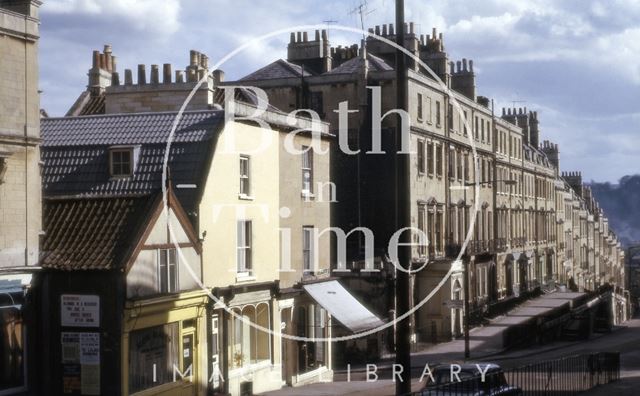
(465, 262)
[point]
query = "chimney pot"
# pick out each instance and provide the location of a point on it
(317, 36)
(218, 77)
(411, 28)
(166, 73)
(464, 64)
(96, 59)
(377, 30)
(113, 63)
(103, 62)
(324, 35)
(107, 49)
(470, 65)
(128, 77)
(192, 75)
(391, 30)
(299, 34)
(292, 39)
(179, 76)
(205, 61)
(384, 30)
(193, 58)
(115, 79)
(155, 78)
(305, 37)
(142, 75)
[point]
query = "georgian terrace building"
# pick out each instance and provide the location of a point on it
(514, 246)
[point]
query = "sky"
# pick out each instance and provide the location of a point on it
(576, 62)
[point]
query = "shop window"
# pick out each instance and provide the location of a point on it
(154, 353)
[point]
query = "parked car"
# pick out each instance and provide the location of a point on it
(469, 381)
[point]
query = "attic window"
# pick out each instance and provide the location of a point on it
(122, 161)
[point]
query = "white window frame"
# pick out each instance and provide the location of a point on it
(307, 168)
(244, 248)
(308, 249)
(172, 286)
(244, 176)
(121, 163)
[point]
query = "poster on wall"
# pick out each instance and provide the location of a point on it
(81, 363)
(79, 310)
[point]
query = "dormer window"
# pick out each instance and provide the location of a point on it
(122, 161)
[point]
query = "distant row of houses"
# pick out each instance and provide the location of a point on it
(145, 251)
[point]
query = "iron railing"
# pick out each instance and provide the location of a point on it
(565, 376)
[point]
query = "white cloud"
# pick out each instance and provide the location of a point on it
(150, 15)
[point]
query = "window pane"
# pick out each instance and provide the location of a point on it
(307, 169)
(162, 270)
(173, 270)
(245, 185)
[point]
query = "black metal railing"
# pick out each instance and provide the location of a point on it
(565, 376)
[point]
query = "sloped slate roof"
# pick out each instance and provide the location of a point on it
(129, 129)
(278, 69)
(91, 233)
(355, 64)
(75, 152)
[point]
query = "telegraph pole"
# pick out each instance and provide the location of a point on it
(403, 219)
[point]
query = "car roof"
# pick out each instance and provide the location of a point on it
(468, 367)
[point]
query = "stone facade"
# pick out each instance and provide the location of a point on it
(458, 140)
(20, 196)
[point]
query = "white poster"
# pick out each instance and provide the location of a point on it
(77, 310)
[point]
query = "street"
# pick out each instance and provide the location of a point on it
(624, 338)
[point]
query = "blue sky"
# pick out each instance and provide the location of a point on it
(577, 62)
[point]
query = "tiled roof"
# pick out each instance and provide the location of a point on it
(354, 65)
(278, 69)
(133, 128)
(91, 233)
(75, 152)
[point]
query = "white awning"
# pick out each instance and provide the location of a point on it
(342, 306)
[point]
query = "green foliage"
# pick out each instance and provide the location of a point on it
(621, 204)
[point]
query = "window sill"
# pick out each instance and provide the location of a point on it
(245, 197)
(120, 177)
(245, 278)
